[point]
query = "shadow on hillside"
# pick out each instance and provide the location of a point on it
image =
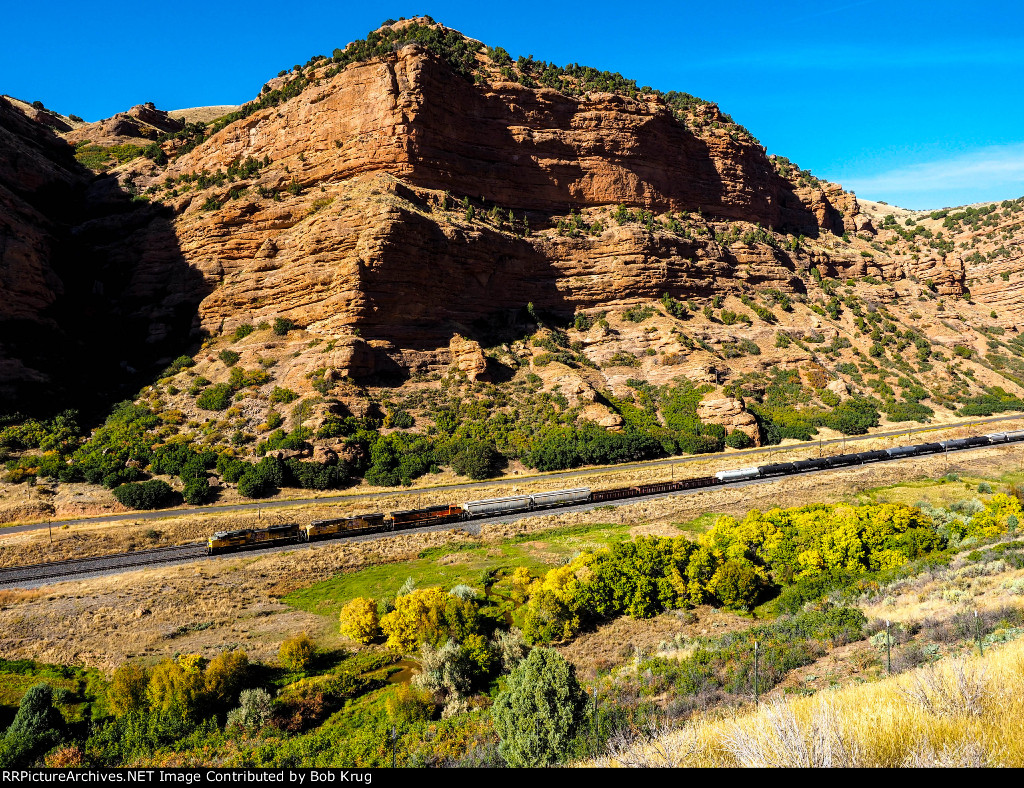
(125, 297)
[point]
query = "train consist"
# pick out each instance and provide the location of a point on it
(379, 522)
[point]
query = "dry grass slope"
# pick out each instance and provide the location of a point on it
(964, 712)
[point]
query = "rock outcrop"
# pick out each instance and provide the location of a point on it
(401, 212)
(730, 413)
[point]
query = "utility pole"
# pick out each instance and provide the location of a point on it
(394, 747)
(756, 697)
(49, 528)
(888, 649)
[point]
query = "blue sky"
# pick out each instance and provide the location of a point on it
(920, 104)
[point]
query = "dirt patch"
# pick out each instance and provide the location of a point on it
(454, 558)
(619, 641)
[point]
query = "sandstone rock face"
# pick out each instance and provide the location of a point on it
(353, 225)
(730, 413)
(156, 118)
(523, 148)
(467, 358)
(353, 357)
(88, 277)
(839, 388)
(139, 125)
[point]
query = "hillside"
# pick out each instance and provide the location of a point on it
(419, 235)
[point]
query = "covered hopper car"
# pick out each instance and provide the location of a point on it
(227, 541)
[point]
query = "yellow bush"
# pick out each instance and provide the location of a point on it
(297, 652)
(427, 615)
(225, 676)
(177, 689)
(359, 620)
(811, 540)
(127, 691)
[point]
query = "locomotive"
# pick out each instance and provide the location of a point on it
(379, 522)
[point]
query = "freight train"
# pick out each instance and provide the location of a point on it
(380, 522)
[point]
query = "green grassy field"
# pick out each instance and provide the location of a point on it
(16, 677)
(450, 565)
(942, 491)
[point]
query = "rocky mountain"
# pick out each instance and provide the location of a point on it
(419, 205)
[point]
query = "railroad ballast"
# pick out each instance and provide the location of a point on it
(378, 522)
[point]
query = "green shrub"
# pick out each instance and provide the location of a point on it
(676, 309)
(855, 416)
(155, 494)
(540, 710)
(399, 419)
(638, 313)
(477, 460)
(180, 363)
(243, 331)
(283, 395)
(737, 439)
(623, 359)
(216, 397)
(36, 728)
(262, 479)
(282, 326)
(830, 398)
(229, 357)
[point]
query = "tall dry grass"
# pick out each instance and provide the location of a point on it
(962, 712)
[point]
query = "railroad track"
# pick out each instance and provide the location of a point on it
(59, 570)
(99, 565)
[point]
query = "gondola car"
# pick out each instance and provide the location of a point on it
(657, 487)
(696, 482)
(615, 494)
